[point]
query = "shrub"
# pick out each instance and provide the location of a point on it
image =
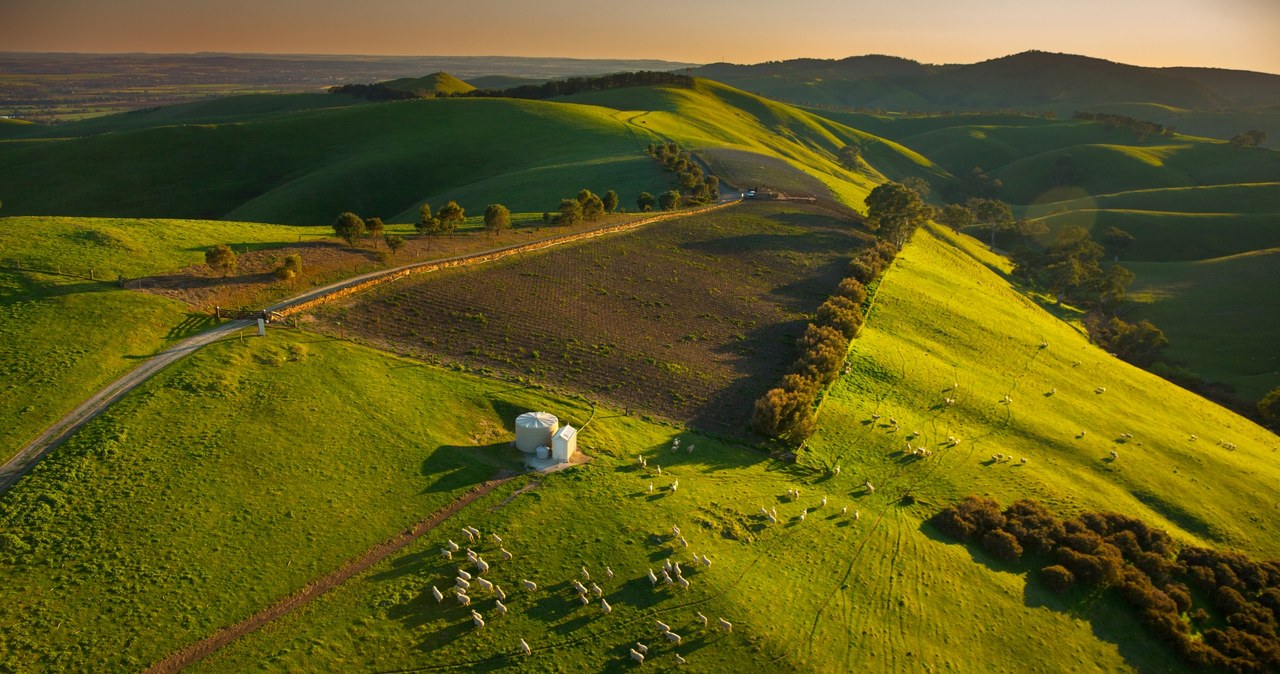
(1057, 577)
(1002, 545)
(852, 289)
(221, 258)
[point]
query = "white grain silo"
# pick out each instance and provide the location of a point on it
(534, 430)
(564, 443)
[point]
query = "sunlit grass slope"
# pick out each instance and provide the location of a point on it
(1221, 315)
(62, 338)
(712, 116)
(305, 167)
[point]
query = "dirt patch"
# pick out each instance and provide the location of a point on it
(193, 653)
(692, 318)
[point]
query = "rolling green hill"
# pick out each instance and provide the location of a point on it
(430, 85)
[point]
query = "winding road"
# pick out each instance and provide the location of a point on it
(26, 458)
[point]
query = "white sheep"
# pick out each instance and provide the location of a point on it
(463, 599)
(659, 469)
(1053, 391)
(706, 561)
(837, 469)
(1114, 455)
(844, 511)
(529, 585)
(437, 594)
(857, 515)
(803, 514)
(676, 568)
(524, 647)
(470, 538)
(673, 638)
(1024, 460)
(481, 565)
(875, 417)
(475, 618)
(726, 625)
(461, 582)
(662, 627)
(497, 592)
(682, 582)
(701, 619)
(871, 488)
(484, 584)
(690, 449)
(653, 579)
(496, 538)
(666, 577)
(586, 575)
(1100, 389)
(650, 487)
(453, 547)
(675, 485)
(642, 648)
(596, 590)
(764, 511)
(773, 519)
(605, 607)
(638, 657)
(666, 564)
(824, 502)
(683, 542)
(583, 598)
(500, 607)
(579, 587)
(608, 572)
(505, 554)
(679, 660)
(446, 553)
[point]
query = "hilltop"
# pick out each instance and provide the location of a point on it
(430, 85)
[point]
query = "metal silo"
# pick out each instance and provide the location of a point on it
(534, 430)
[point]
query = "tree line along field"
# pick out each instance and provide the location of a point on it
(690, 318)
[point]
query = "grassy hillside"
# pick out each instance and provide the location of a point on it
(1221, 315)
(435, 83)
(305, 167)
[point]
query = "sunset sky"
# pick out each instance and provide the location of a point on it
(1223, 33)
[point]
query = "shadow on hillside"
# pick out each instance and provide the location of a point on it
(28, 288)
(1109, 620)
(455, 467)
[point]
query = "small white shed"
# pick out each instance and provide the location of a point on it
(564, 443)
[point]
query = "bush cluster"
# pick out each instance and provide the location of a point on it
(1101, 551)
(786, 412)
(692, 185)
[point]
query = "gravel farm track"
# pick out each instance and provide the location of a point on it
(26, 458)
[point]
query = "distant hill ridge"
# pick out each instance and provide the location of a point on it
(1032, 79)
(433, 84)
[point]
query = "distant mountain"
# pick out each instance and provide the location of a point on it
(1030, 80)
(435, 83)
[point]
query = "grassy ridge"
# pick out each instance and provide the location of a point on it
(306, 166)
(1220, 331)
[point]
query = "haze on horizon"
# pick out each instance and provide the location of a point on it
(1215, 33)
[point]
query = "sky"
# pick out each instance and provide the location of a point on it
(1218, 33)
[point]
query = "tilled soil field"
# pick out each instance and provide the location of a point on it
(692, 318)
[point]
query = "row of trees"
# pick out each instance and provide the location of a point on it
(1140, 128)
(1144, 566)
(566, 87)
(787, 411)
(693, 185)
(587, 206)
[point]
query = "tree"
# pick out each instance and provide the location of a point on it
(896, 211)
(1114, 284)
(1065, 172)
(426, 222)
(956, 216)
(993, 214)
(1269, 409)
(1117, 239)
(645, 202)
(374, 228)
(394, 243)
(610, 201)
(349, 226)
(221, 258)
(917, 184)
(849, 156)
(496, 218)
(290, 269)
(713, 186)
(592, 205)
(1250, 138)
(570, 212)
(669, 201)
(450, 216)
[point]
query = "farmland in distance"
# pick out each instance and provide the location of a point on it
(692, 318)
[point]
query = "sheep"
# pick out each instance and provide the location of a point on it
(875, 417)
(1024, 460)
(773, 519)
(650, 487)
(484, 585)
(824, 502)
(500, 607)
(764, 511)
(437, 594)
(706, 561)
(524, 647)
(774, 512)
(596, 590)
(1044, 345)
(675, 530)
(666, 578)
(605, 607)
(679, 660)
(578, 587)
(1100, 390)
(683, 583)
(837, 471)
(639, 460)
(472, 556)
(689, 450)
(803, 514)
(659, 470)
(1075, 364)
(683, 542)
(871, 488)
(463, 599)
(496, 539)
(586, 575)
(461, 582)
(529, 585)
(653, 579)
(475, 618)
(662, 627)
(949, 401)
(1193, 437)
(474, 531)
(638, 657)
(675, 485)
(446, 553)
(701, 619)
(481, 565)
(470, 538)
(1053, 391)
(583, 598)
(844, 511)
(955, 443)
(505, 554)
(642, 648)
(893, 421)
(666, 564)
(498, 593)
(1114, 455)
(673, 638)
(608, 572)
(857, 515)
(453, 547)
(676, 568)
(726, 625)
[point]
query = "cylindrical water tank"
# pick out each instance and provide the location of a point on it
(544, 452)
(534, 429)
